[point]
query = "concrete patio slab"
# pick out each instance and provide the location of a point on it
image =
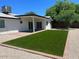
(72, 45)
(71, 49)
(11, 36)
(9, 53)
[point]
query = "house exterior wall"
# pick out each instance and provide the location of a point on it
(26, 20)
(11, 25)
(48, 24)
(14, 25)
(24, 25)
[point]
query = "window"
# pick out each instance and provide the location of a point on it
(46, 22)
(2, 23)
(30, 24)
(38, 25)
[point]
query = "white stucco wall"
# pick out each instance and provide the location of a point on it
(11, 25)
(47, 24)
(24, 25)
(14, 25)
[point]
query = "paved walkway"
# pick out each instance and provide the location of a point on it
(10, 53)
(71, 49)
(72, 45)
(10, 36)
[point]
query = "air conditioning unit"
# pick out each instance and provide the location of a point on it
(6, 9)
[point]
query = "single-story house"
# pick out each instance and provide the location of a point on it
(29, 22)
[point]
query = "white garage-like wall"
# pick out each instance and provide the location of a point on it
(11, 25)
(24, 25)
(25, 20)
(15, 25)
(48, 24)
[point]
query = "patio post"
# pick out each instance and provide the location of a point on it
(33, 23)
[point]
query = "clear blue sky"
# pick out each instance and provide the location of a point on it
(24, 6)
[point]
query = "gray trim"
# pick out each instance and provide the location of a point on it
(32, 15)
(9, 17)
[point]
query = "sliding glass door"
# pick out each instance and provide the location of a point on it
(38, 25)
(30, 25)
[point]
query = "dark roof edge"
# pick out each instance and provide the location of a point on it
(9, 17)
(32, 15)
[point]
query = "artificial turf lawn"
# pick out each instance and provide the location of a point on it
(50, 41)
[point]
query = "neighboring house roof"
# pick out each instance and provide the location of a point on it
(33, 14)
(2, 15)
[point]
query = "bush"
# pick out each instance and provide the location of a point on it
(59, 24)
(75, 24)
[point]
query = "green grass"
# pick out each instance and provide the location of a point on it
(51, 42)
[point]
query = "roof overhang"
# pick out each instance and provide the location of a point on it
(9, 18)
(32, 15)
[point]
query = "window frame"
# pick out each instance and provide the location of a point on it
(2, 25)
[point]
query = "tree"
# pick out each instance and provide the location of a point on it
(65, 11)
(77, 9)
